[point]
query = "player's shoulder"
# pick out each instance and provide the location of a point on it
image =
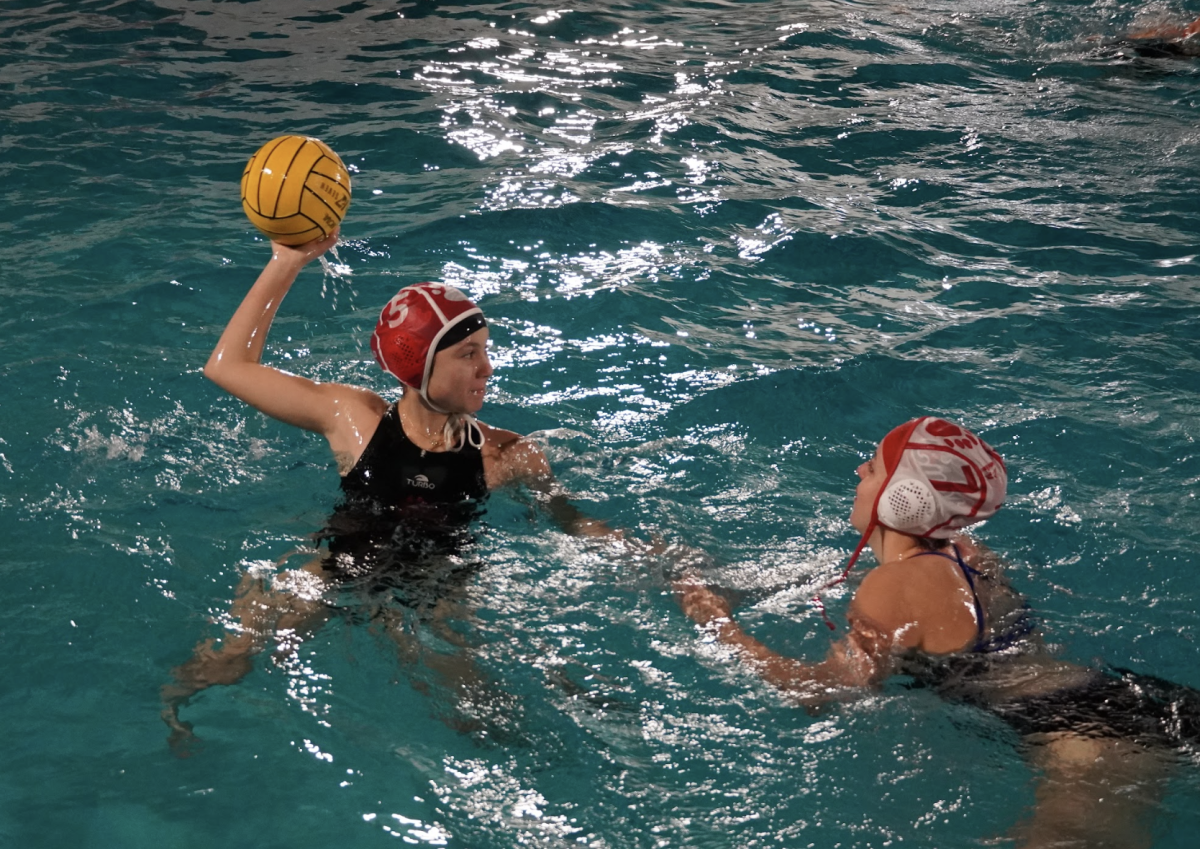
(499, 438)
(357, 397)
(513, 457)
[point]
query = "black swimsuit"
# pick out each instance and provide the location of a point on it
(1112, 702)
(1158, 48)
(1104, 702)
(403, 521)
(394, 471)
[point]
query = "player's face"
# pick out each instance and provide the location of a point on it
(460, 374)
(871, 476)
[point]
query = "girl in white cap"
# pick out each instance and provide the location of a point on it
(937, 608)
(928, 479)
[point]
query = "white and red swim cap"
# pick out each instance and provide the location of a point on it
(417, 323)
(940, 479)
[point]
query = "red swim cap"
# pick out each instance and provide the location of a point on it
(412, 326)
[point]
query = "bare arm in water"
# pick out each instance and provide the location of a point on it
(858, 660)
(1090, 791)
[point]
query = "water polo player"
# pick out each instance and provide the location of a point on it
(1162, 41)
(430, 337)
(413, 472)
(938, 609)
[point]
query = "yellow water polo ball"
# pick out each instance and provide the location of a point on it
(295, 189)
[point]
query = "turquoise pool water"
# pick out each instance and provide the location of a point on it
(724, 246)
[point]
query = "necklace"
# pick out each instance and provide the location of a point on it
(436, 439)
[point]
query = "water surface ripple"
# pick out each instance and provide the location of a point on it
(724, 246)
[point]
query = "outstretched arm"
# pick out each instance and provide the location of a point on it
(573, 520)
(861, 659)
(519, 459)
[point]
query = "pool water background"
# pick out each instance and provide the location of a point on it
(724, 247)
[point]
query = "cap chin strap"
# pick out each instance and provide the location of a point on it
(429, 402)
(862, 543)
(460, 430)
(858, 550)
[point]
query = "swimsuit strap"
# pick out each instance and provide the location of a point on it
(981, 645)
(1015, 629)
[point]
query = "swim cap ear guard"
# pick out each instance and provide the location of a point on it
(906, 503)
(415, 324)
(940, 479)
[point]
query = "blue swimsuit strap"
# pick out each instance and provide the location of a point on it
(1015, 630)
(981, 645)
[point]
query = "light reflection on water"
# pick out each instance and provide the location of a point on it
(723, 247)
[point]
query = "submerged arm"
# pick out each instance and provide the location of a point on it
(861, 659)
(574, 521)
(520, 459)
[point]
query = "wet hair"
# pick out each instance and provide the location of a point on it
(932, 544)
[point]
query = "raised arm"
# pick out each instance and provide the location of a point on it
(345, 415)
(235, 363)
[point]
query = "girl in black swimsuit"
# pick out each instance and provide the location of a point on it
(414, 472)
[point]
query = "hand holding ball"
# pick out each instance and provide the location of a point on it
(295, 189)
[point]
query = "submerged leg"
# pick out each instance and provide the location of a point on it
(470, 703)
(287, 612)
(1094, 793)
